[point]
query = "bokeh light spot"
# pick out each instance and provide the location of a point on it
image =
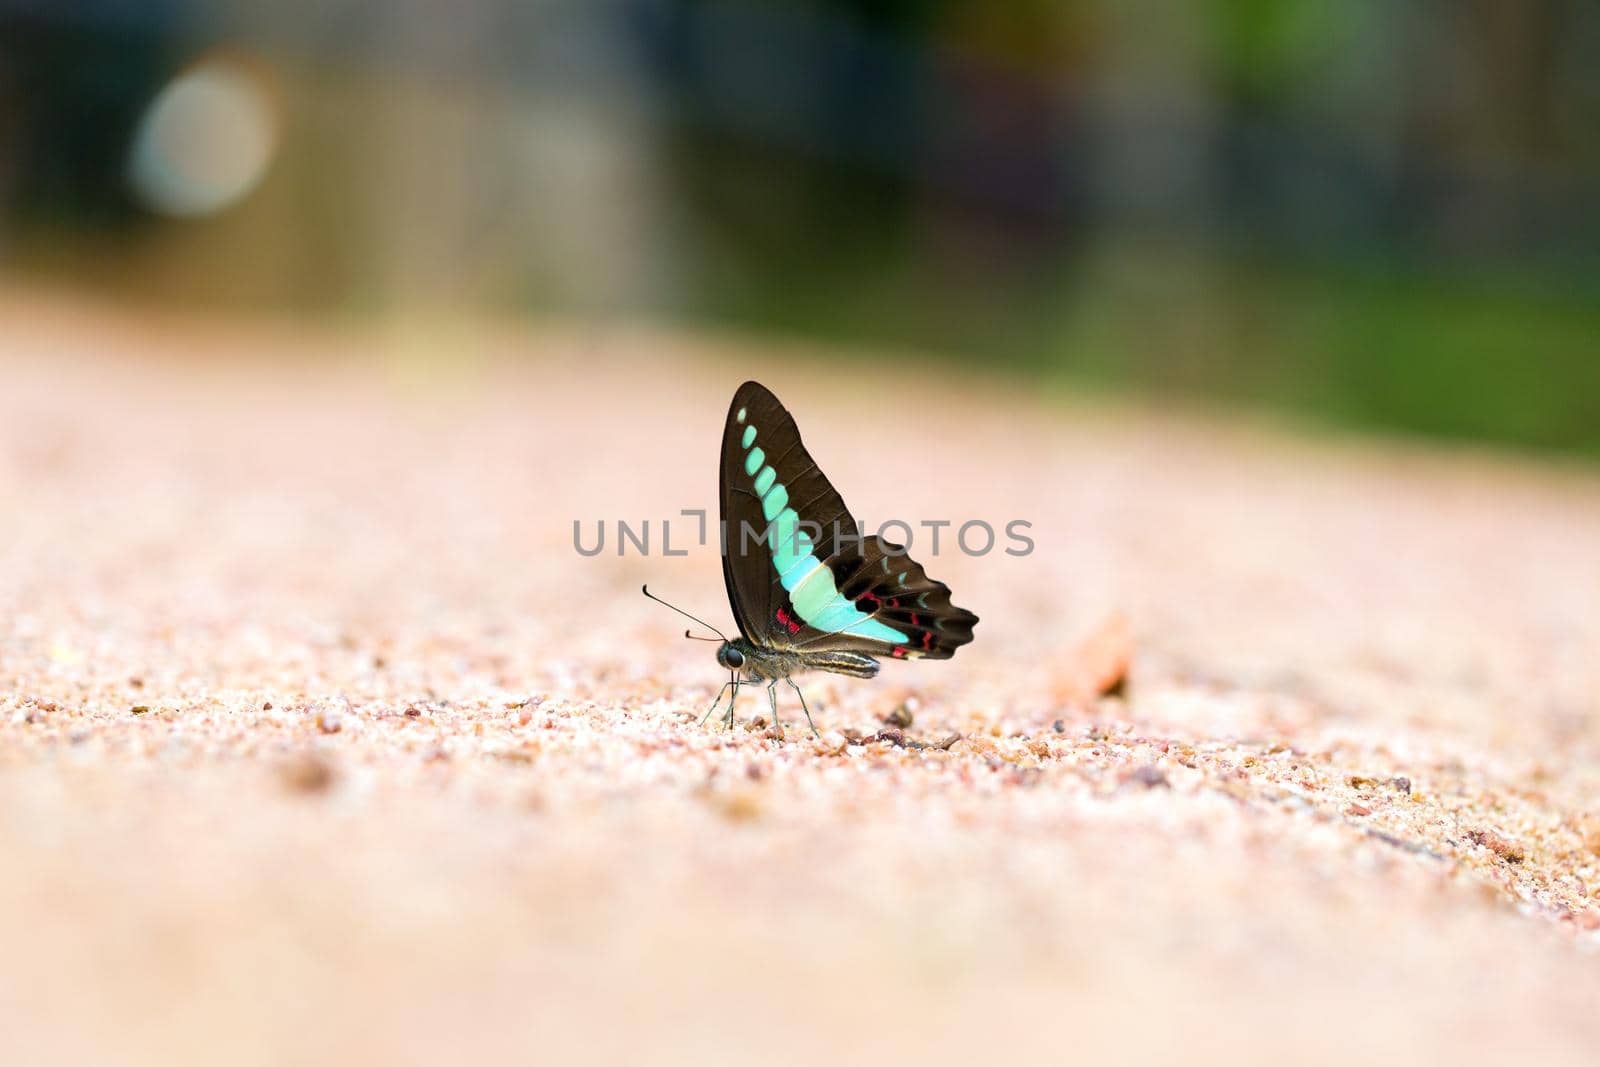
(205, 142)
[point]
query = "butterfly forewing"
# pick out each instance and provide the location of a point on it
(799, 574)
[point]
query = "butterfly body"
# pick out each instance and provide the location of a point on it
(757, 664)
(810, 589)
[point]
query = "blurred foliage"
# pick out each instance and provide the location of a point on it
(1463, 357)
(1375, 212)
(1263, 47)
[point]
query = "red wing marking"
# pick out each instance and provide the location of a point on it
(787, 623)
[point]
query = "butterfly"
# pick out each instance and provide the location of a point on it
(809, 589)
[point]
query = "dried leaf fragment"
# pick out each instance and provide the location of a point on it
(739, 806)
(308, 774)
(1099, 664)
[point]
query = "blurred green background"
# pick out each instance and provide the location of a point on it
(1381, 213)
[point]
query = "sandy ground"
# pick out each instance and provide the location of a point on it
(320, 743)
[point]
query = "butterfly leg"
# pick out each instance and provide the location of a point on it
(772, 697)
(715, 702)
(803, 707)
(731, 701)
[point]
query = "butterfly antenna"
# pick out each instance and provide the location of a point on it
(646, 590)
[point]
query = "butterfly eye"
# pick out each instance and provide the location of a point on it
(730, 657)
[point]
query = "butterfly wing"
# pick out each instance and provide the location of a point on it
(799, 574)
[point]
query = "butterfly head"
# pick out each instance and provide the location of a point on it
(729, 656)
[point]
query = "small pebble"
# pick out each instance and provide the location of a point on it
(1149, 775)
(1492, 841)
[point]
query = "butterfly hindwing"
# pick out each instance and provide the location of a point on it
(884, 581)
(799, 574)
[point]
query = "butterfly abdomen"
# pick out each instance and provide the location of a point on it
(771, 664)
(855, 664)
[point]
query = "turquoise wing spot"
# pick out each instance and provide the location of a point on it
(836, 614)
(813, 593)
(764, 480)
(774, 502)
(749, 436)
(798, 571)
(791, 548)
(783, 540)
(870, 627)
(740, 416)
(877, 631)
(811, 586)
